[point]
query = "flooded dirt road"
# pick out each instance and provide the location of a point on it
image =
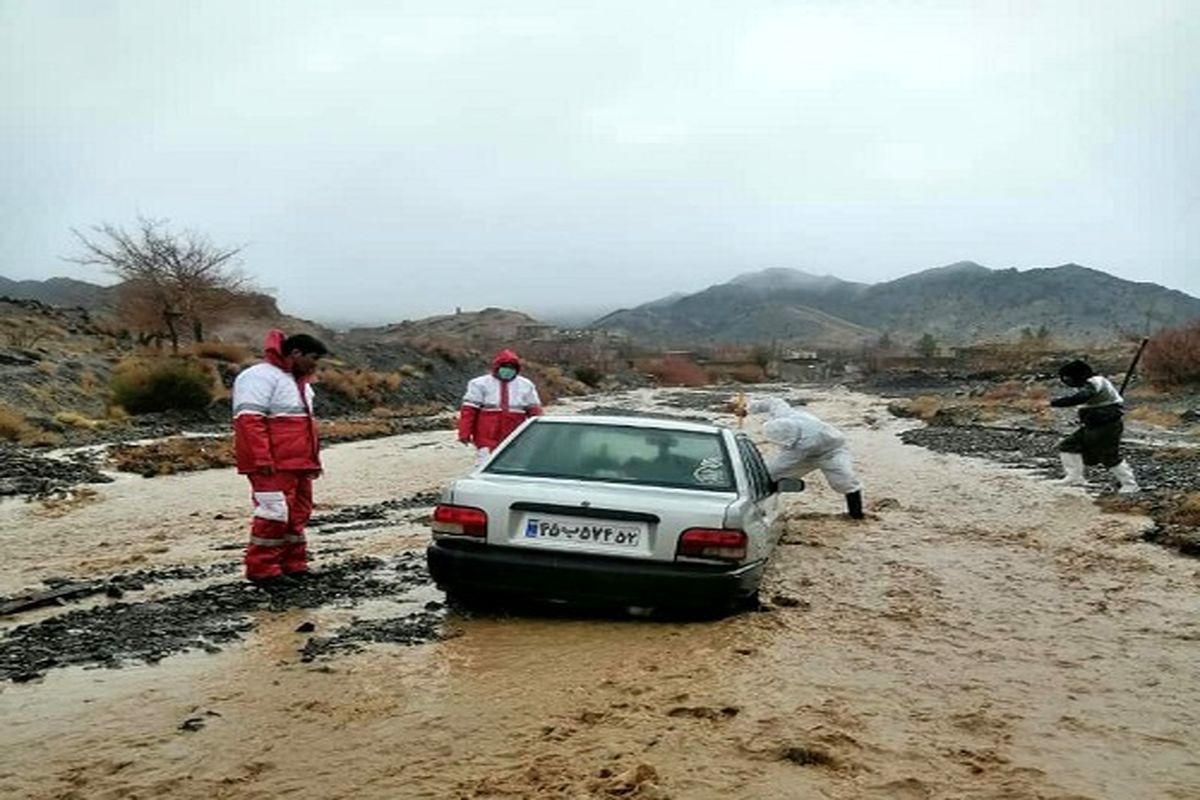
(983, 634)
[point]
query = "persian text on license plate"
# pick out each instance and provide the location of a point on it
(593, 532)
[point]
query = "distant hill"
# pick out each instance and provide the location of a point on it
(957, 303)
(65, 292)
(467, 328)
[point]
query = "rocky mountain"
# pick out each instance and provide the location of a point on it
(957, 303)
(64, 292)
(467, 329)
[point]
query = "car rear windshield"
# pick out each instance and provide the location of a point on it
(618, 454)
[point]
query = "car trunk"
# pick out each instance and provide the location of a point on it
(587, 517)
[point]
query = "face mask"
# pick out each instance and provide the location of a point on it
(506, 373)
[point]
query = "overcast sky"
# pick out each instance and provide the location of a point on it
(395, 159)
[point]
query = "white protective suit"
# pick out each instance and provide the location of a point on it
(806, 443)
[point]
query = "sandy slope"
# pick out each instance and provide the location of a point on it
(982, 635)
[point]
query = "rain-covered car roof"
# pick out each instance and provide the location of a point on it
(659, 423)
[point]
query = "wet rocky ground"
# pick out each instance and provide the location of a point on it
(209, 617)
(372, 516)
(28, 473)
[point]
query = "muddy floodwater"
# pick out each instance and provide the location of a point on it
(982, 634)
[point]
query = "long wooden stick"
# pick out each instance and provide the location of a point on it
(1133, 365)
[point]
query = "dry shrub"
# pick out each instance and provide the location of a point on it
(1004, 358)
(164, 384)
(39, 438)
(552, 383)
(73, 419)
(176, 454)
(447, 349)
(1172, 357)
(116, 414)
(1124, 504)
(223, 351)
(13, 425)
(1174, 454)
(1155, 416)
(673, 371)
(1145, 391)
(925, 407)
(411, 371)
(351, 430)
(750, 373)
(1015, 396)
(408, 410)
(360, 385)
(47, 367)
(1009, 390)
(1183, 509)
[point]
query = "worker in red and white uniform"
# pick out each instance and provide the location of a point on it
(496, 404)
(275, 439)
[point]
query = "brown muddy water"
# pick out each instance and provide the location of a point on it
(983, 634)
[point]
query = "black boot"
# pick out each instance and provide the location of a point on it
(854, 505)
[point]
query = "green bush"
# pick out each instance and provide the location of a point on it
(169, 384)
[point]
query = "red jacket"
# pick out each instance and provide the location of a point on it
(273, 424)
(492, 409)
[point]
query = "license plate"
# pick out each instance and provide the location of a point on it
(613, 534)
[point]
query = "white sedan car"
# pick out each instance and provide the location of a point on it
(628, 511)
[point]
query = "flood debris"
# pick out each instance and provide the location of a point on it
(806, 756)
(208, 617)
(705, 712)
(49, 597)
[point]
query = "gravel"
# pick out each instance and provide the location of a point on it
(373, 516)
(26, 473)
(209, 617)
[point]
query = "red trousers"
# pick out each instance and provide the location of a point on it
(282, 506)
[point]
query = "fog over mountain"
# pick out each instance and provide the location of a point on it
(957, 303)
(386, 160)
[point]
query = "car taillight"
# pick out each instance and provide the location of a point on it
(720, 543)
(459, 521)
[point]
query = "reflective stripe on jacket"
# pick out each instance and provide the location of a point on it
(273, 425)
(492, 409)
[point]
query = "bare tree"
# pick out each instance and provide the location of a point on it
(169, 278)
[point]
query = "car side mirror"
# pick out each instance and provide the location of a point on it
(789, 485)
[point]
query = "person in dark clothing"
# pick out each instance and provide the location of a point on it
(1098, 438)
